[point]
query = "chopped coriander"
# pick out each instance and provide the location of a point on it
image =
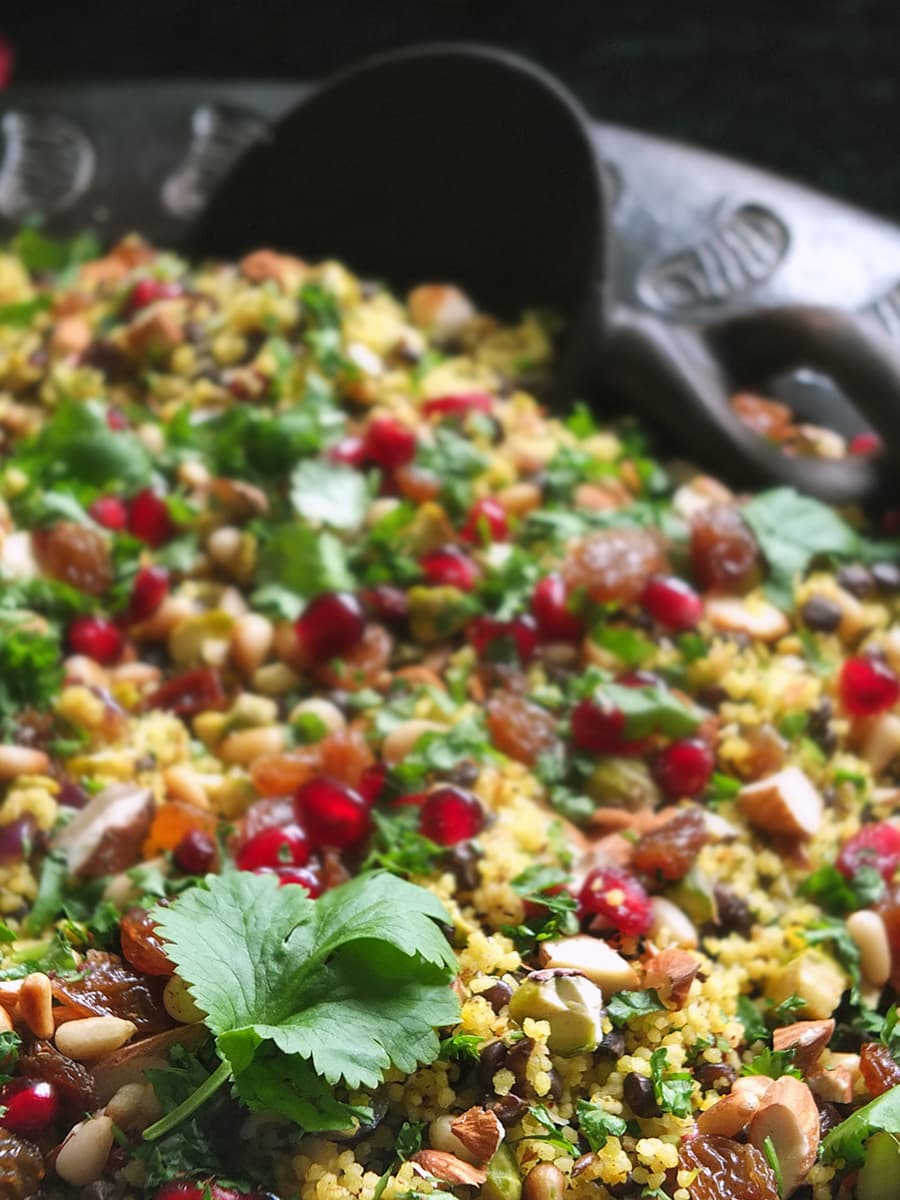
(672, 1089)
(629, 646)
(30, 674)
(751, 1018)
(461, 1047)
(597, 1124)
(625, 1006)
(773, 1063)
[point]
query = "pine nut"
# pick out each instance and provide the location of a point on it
(138, 673)
(153, 438)
(728, 1116)
(224, 545)
(83, 1155)
(36, 1005)
(80, 669)
(442, 1137)
(183, 783)
(245, 746)
(274, 679)
(544, 1182)
(520, 498)
(329, 714)
(21, 760)
(92, 1037)
(133, 1107)
(400, 741)
(868, 931)
(172, 611)
(10, 990)
(251, 642)
(179, 1003)
(287, 646)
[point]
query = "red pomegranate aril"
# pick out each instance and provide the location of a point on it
(486, 522)
(550, 608)
(195, 854)
(671, 602)
(386, 602)
(684, 768)
(149, 519)
(150, 588)
(600, 728)
(876, 846)
(95, 637)
(16, 838)
(490, 637)
(866, 443)
(372, 783)
(305, 877)
(31, 1106)
(458, 405)
(277, 846)
(450, 815)
(351, 451)
(182, 1190)
(331, 624)
(110, 512)
(449, 567)
(116, 420)
(389, 443)
(867, 686)
(149, 291)
(618, 899)
(332, 813)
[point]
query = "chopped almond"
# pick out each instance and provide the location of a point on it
(728, 1116)
(71, 335)
(879, 740)
(671, 973)
(756, 617)
(807, 1039)
(287, 271)
(788, 1115)
(447, 1167)
(155, 333)
(834, 1084)
(786, 802)
(480, 1131)
(440, 308)
(594, 959)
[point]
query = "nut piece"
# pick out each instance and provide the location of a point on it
(440, 308)
(571, 1004)
(786, 802)
(90, 1038)
(108, 833)
(753, 1085)
(836, 1082)
(447, 1167)
(672, 924)
(788, 1115)
(754, 616)
(879, 740)
(480, 1131)
(868, 930)
(36, 1004)
(813, 975)
(82, 1156)
(671, 973)
(728, 1116)
(21, 760)
(806, 1038)
(593, 958)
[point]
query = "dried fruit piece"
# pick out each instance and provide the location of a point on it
(141, 944)
(879, 1068)
(520, 728)
(107, 986)
(614, 565)
(75, 554)
(727, 1170)
(724, 553)
(669, 851)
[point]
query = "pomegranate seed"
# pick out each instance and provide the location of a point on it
(349, 450)
(450, 815)
(190, 692)
(372, 783)
(457, 405)
(95, 637)
(550, 608)
(332, 813)
(116, 420)
(17, 839)
(386, 603)
(600, 727)
(284, 846)
(331, 625)
(31, 1106)
(618, 899)
(71, 795)
(876, 846)
(671, 602)
(148, 291)
(110, 512)
(306, 877)
(867, 686)
(181, 1190)
(150, 588)
(389, 443)
(149, 519)
(486, 522)
(866, 443)
(491, 637)
(685, 768)
(449, 567)
(195, 853)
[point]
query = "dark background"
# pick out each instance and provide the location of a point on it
(808, 89)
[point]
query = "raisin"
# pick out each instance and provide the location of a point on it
(21, 1168)
(73, 1083)
(519, 728)
(734, 915)
(141, 944)
(75, 554)
(190, 693)
(614, 565)
(878, 1067)
(715, 1076)
(724, 553)
(109, 987)
(343, 756)
(727, 1170)
(669, 851)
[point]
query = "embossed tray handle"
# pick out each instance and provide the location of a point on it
(683, 376)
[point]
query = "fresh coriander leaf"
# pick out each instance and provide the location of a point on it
(307, 728)
(329, 494)
(51, 957)
(409, 1139)
(793, 530)
(832, 890)
(7, 937)
(673, 1089)
(793, 724)
(773, 1063)
(783, 1013)
(848, 1140)
(21, 314)
(461, 1047)
(539, 878)
(30, 674)
(625, 1006)
(51, 894)
(544, 1117)
(629, 646)
(43, 255)
(751, 1018)
(439, 751)
(304, 561)
(287, 1084)
(507, 584)
(650, 709)
(398, 847)
(352, 982)
(597, 1124)
(10, 1045)
(580, 421)
(692, 646)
